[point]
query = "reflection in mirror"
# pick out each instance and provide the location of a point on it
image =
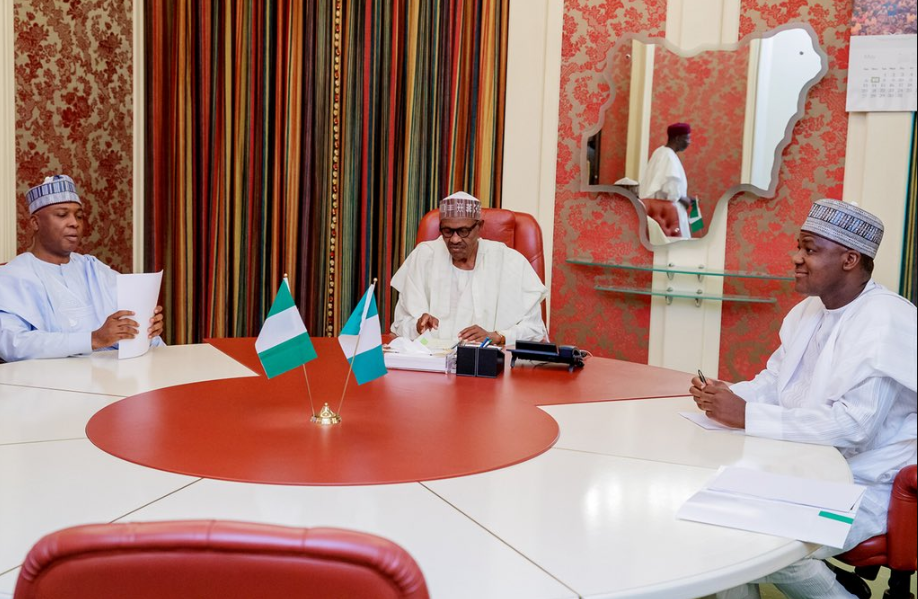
(741, 101)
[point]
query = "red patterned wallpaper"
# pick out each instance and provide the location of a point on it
(73, 63)
(761, 233)
(598, 226)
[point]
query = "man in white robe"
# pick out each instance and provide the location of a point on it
(467, 288)
(54, 302)
(844, 375)
(664, 178)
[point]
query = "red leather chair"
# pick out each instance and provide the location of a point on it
(517, 230)
(664, 212)
(211, 559)
(897, 548)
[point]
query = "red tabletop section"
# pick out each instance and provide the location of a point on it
(403, 427)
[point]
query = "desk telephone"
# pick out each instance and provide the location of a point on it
(548, 352)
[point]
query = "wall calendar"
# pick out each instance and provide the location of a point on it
(883, 73)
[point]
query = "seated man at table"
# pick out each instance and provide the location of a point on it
(54, 302)
(467, 288)
(844, 375)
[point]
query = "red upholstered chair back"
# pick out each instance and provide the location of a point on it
(517, 230)
(898, 548)
(664, 212)
(211, 559)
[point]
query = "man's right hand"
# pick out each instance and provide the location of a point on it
(427, 322)
(115, 328)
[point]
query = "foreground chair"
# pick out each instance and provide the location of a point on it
(896, 549)
(210, 559)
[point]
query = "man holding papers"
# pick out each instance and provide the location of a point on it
(467, 288)
(55, 302)
(844, 375)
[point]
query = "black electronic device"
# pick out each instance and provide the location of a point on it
(474, 360)
(548, 352)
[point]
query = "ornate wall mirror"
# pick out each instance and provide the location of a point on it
(741, 100)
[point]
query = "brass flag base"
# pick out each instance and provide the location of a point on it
(326, 416)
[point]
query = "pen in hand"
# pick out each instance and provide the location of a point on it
(704, 381)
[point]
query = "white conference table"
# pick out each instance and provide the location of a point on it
(594, 516)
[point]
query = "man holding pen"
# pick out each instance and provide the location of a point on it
(844, 375)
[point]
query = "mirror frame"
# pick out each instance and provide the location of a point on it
(625, 40)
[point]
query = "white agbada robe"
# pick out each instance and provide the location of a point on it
(502, 293)
(845, 378)
(50, 310)
(664, 179)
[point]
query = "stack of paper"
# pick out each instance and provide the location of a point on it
(420, 354)
(786, 506)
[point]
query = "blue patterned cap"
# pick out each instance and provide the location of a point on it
(56, 189)
(845, 224)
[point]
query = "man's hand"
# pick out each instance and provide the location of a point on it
(719, 403)
(115, 328)
(427, 322)
(476, 334)
(156, 323)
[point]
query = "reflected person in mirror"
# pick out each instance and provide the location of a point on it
(664, 178)
(54, 302)
(468, 288)
(844, 375)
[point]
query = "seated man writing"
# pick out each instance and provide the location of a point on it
(467, 288)
(54, 302)
(844, 375)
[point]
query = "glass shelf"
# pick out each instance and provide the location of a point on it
(670, 294)
(671, 270)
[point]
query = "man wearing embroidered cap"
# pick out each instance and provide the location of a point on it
(664, 178)
(845, 375)
(55, 302)
(467, 288)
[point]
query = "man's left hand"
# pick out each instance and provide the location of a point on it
(475, 334)
(719, 403)
(156, 323)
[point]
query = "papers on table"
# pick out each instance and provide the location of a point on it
(706, 423)
(786, 506)
(424, 353)
(138, 293)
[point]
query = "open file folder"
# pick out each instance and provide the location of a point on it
(786, 506)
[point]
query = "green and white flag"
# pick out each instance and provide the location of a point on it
(696, 223)
(283, 343)
(367, 357)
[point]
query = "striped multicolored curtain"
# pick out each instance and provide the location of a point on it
(908, 282)
(309, 138)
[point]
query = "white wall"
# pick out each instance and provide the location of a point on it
(531, 120)
(7, 135)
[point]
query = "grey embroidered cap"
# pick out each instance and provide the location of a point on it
(460, 205)
(845, 224)
(56, 189)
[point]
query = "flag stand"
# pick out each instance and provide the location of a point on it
(326, 415)
(312, 406)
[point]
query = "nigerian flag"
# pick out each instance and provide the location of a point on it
(283, 343)
(367, 356)
(694, 217)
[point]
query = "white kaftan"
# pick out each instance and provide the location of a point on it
(502, 293)
(664, 179)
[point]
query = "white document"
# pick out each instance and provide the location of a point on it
(424, 353)
(704, 422)
(138, 293)
(786, 506)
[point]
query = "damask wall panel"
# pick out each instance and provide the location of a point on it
(761, 232)
(73, 65)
